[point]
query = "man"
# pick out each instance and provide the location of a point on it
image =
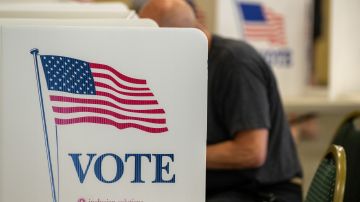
(251, 155)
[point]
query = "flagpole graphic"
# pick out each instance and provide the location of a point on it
(35, 53)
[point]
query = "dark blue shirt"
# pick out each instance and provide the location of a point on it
(243, 95)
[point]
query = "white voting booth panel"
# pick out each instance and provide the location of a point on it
(278, 30)
(22, 1)
(80, 22)
(345, 50)
(65, 10)
(102, 114)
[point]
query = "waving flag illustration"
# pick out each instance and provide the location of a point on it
(84, 92)
(262, 23)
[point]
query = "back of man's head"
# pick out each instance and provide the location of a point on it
(169, 13)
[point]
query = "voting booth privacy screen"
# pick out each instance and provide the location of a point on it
(65, 10)
(278, 30)
(102, 114)
(80, 22)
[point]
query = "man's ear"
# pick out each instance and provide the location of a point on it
(200, 15)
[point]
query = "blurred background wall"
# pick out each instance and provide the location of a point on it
(311, 147)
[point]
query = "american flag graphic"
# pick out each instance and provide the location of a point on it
(262, 23)
(84, 92)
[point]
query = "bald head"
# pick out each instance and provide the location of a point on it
(169, 13)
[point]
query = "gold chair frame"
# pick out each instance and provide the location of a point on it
(338, 153)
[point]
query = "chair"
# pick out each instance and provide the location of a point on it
(348, 136)
(329, 181)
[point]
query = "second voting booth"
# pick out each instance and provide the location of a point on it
(280, 32)
(63, 10)
(102, 113)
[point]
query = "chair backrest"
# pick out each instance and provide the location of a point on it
(348, 136)
(329, 181)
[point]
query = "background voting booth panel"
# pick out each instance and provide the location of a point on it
(80, 22)
(65, 10)
(345, 50)
(120, 124)
(21, 1)
(278, 30)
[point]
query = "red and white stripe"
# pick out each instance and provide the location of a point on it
(273, 30)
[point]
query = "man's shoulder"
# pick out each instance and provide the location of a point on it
(238, 56)
(235, 49)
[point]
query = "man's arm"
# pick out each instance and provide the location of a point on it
(247, 150)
